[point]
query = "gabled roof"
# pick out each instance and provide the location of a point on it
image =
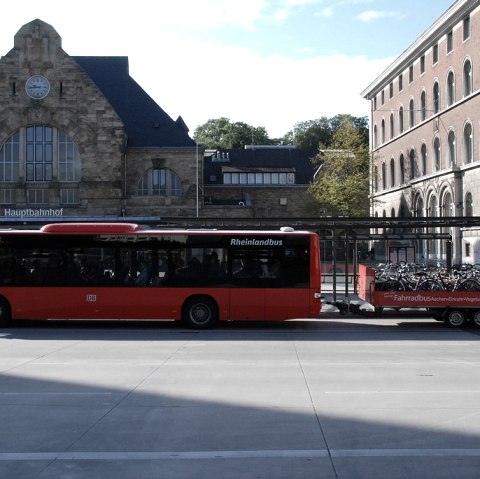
(146, 124)
(259, 160)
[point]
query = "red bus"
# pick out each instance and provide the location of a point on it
(120, 271)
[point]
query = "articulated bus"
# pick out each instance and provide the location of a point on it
(120, 271)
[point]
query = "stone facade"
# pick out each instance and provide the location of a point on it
(96, 146)
(425, 121)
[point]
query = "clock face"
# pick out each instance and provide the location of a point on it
(37, 87)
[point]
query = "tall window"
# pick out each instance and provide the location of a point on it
(466, 28)
(159, 182)
(437, 158)
(423, 105)
(9, 159)
(39, 153)
(451, 88)
(384, 176)
(435, 54)
(412, 113)
(69, 165)
(402, 169)
(467, 144)
(392, 172)
(451, 148)
(383, 131)
(467, 78)
(436, 98)
(375, 136)
(413, 164)
(400, 119)
(449, 41)
(392, 126)
(424, 159)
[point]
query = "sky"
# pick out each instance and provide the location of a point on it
(267, 63)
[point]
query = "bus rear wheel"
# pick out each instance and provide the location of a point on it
(5, 313)
(200, 312)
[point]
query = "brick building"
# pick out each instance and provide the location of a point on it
(80, 139)
(425, 131)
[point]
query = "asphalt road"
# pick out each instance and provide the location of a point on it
(341, 397)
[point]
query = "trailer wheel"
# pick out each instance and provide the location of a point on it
(476, 319)
(455, 318)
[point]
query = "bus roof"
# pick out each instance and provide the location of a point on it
(132, 228)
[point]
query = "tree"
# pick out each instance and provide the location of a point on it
(220, 133)
(342, 184)
(319, 133)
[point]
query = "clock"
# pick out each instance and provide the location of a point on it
(37, 87)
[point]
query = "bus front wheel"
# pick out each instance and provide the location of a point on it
(5, 313)
(200, 312)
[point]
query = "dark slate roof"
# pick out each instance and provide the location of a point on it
(146, 124)
(286, 159)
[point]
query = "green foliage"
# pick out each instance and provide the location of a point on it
(320, 133)
(222, 134)
(342, 184)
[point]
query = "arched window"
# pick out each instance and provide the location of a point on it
(467, 78)
(468, 204)
(413, 164)
(412, 113)
(437, 163)
(419, 207)
(384, 176)
(392, 172)
(375, 136)
(424, 159)
(448, 206)
(159, 182)
(383, 131)
(436, 98)
(400, 119)
(375, 178)
(392, 126)
(451, 148)
(451, 88)
(402, 169)
(433, 207)
(45, 155)
(423, 103)
(467, 144)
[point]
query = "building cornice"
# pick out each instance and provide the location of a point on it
(432, 35)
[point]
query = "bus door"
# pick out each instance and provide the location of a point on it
(247, 294)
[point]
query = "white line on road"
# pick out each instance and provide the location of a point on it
(263, 454)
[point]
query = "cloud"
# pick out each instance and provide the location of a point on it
(371, 15)
(238, 83)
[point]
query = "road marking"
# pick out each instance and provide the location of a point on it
(262, 454)
(56, 394)
(419, 391)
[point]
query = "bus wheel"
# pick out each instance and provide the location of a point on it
(476, 319)
(455, 318)
(200, 312)
(5, 313)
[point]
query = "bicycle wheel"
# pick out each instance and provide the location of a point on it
(392, 285)
(468, 284)
(430, 285)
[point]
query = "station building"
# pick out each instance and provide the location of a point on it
(425, 124)
(81, 140)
